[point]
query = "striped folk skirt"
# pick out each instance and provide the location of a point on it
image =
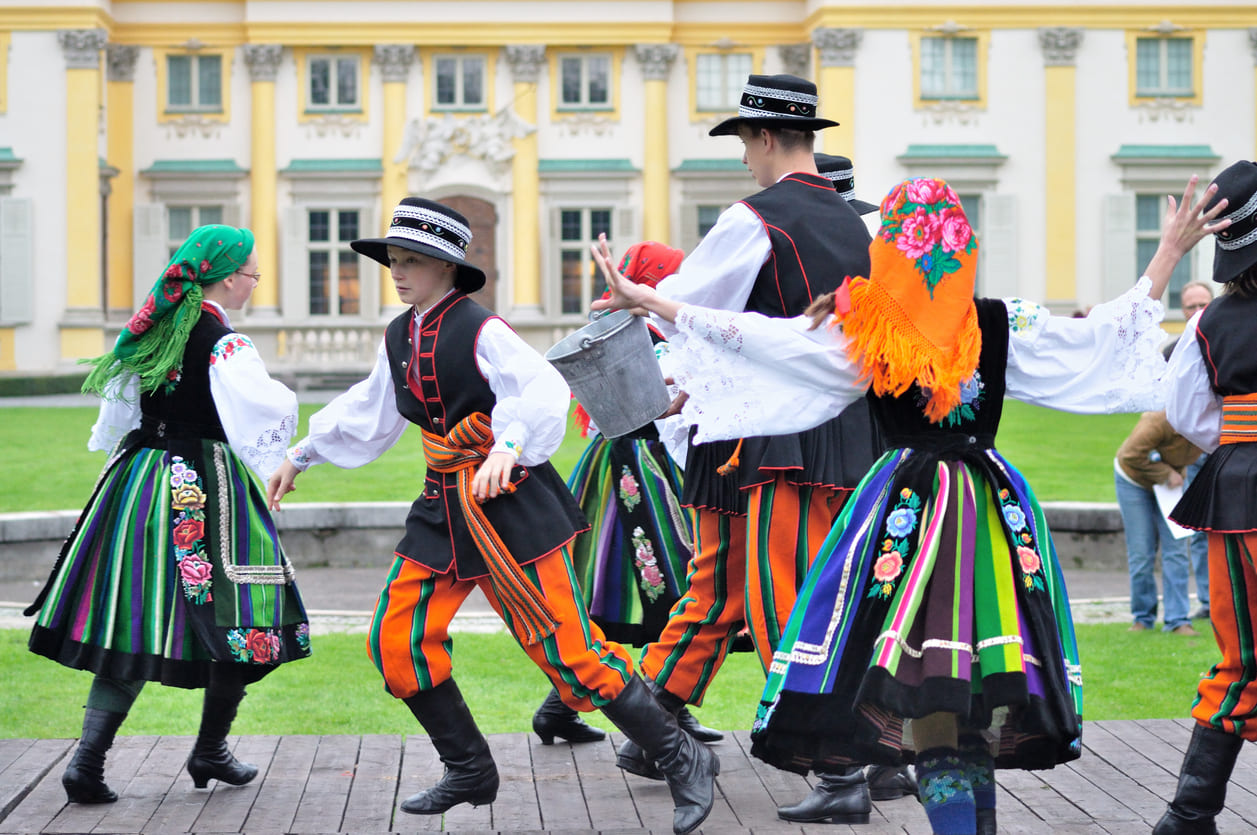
(175, 563)
(631, 563)
(938, 589)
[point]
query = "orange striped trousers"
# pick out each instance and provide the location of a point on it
(743, 572)
(1226, 697)
(411, 646)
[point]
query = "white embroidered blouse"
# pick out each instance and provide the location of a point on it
(749, 375)
(258, 413)
(529, 419)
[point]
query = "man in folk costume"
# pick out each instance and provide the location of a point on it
(762, 505)
(493, 513)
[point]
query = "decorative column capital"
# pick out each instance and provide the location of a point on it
(525, 61)
(1252, 43)
(263, 59)
(796, 58)
(82, 47)
(837, 46)
(656, 59)
(394, 60)
(1060, 45)
(120, 62)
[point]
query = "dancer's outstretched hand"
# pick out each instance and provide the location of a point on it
(625, 295)
(1185, 223)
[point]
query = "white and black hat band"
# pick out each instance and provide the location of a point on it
(1243, 228)
(439, 231)
(775, 103)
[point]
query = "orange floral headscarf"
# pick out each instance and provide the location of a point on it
(913, 319)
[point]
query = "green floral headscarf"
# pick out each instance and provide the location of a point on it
(152, 341)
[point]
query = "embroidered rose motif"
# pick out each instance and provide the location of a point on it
(1029, 560)
(1014, 516)
(955, 231)
(187, 497)
(926, 222)
(172, 291)
(888, 567)
(630, 492)
(195, 572)
(259, 646)
(205, 267)
(228, 346)
(188, 532)
(141, 321)
(652, 581)
(174, 272)
(901, 521)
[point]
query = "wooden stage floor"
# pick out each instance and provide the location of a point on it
(323, 784)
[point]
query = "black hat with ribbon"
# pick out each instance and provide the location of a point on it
(775, 101)
(841, 172)
(430, 228)
(1235, 249)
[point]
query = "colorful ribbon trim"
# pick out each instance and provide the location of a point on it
(1239, 419)
(461, 452)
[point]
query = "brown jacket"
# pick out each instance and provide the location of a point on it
(1153, 433)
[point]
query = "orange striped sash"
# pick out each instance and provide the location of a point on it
(461, 452)
(1239, 419)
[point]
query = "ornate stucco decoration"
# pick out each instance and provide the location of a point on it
(1165, 110)
(81, 47)
(656, 59)
(796, 59)
(193, 124)
(394, 60)
(1060, 45)
(525, 61)
(262, 59)
(584, 124)
(348, 125)
(949, 111)
(430, 142)
(837, 47)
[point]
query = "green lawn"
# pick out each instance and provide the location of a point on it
(46, 465)
(337, 690)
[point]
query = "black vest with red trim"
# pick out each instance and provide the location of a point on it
(186, 409)
(817, 241)
(437, 384)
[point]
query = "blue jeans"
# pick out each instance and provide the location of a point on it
(1146, 528)
(1199, 547)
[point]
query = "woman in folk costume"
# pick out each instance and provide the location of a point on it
(1210, 401)
(631, 563)
(933, 625)
(493, 514)
(174, 572)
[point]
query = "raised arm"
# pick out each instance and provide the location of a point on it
(639, 298)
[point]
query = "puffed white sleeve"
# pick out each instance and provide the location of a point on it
(1192, 407)
(119, 413)
(530, 417)
(258, 413)
(747, 374)
(356, 427)
(1108, 362)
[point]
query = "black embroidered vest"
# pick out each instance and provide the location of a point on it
(185, 409)
(437, 384)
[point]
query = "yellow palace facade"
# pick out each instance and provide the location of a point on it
(126, 123)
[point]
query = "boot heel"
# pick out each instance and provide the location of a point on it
(546, 739)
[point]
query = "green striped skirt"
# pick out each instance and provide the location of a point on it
(175, 563)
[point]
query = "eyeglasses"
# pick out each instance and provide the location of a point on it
(255, 276)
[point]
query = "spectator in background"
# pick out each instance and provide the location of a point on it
(1195, 296)
(1153, 454)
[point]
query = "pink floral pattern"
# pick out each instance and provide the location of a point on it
(254, 646)
(187, 535)
(897, 544)
(652, 581)
(925, 221)
(1028, 558)
(227, 347)
(630, 491)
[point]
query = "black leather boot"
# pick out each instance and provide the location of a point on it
(689, 768)
(630, 756)
(836, 798)
(554, 718)
(1202, 783)
(470, 774)
(210, 758)
(889, 782)
(84, 777)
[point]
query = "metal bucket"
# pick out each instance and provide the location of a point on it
(611, 367)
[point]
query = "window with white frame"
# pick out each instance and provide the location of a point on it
(719, 78)
(194, 82)
(181, 220)
(1163, 67)
(949, 68)
(1148, 211)
(332, 273)
(459, 82)
(332, 82)
(585, 81)
(580, 280)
